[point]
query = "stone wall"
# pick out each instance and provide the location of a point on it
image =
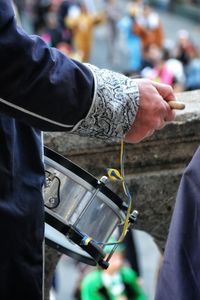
(152, 167)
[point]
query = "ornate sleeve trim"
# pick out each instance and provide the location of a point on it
(114, 106)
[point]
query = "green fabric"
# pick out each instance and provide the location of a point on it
(93, 282)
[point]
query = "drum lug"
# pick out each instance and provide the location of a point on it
(103, 180)
(133, 218)
(49, 179)
(103, 264)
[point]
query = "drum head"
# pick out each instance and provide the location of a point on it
(59, 242)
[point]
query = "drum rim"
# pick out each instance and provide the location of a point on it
(97, 254)
(89, 260)
(71, 166)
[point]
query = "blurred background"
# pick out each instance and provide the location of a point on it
(153, 39)
(156, 39)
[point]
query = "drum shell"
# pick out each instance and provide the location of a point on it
(82, 204)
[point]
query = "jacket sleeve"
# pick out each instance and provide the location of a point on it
(38, 84)
(43, 88)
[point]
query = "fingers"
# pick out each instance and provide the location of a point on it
(167, 94)
(165, 91)
(170, 116)
(154, 111)
(149, 133)
(169, 113)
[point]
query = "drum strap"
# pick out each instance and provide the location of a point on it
(114, 175)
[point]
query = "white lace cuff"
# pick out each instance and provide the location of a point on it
(114, 107)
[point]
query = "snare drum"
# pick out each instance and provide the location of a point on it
(78, 206)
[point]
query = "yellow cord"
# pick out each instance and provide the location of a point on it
(114, 174)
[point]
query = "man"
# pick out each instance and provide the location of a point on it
(42, 90)
(180, 272)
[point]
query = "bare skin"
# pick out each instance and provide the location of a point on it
(153, 112)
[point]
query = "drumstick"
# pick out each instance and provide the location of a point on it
(176, 105)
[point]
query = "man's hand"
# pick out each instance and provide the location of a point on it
(153, 112)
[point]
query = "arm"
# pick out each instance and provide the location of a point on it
(45, 89)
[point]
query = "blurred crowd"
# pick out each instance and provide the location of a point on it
(174, 62)
(68, 25)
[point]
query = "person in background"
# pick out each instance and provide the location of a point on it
(175, 66)
(131, 40)
(158, 65)
(82, 27)
(131, 253)
(187, 53)
(40, 8)
(41, 89)
(118, 282)
(67, 8)
(64, 10)
(113, 15)
(148, 27)
(192, 73)
(184, 48)
(159, 70)
(52, 33)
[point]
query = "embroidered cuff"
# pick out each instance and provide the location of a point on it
(114, 107)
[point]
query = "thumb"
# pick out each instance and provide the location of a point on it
(165, 90)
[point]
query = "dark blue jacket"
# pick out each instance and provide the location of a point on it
(179, 277)
(40, 90)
